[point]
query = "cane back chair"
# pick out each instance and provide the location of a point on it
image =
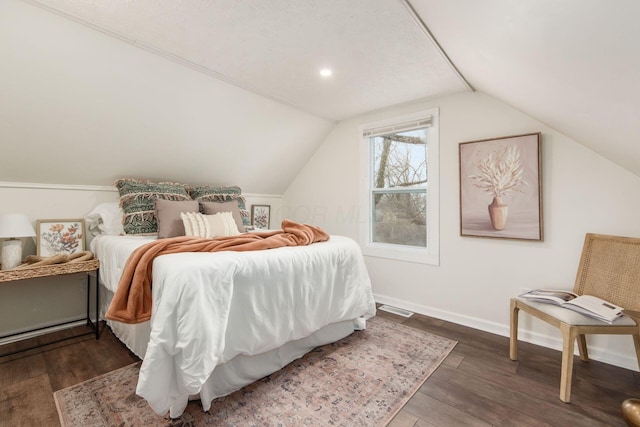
(609, 269)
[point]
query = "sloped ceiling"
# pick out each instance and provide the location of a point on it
(81, 107)
(380, 56)
(203, 92)
(572, 64)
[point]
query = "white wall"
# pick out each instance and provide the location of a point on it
(28, 304)
(582, 192)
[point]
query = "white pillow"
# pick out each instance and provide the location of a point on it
(222, 224)
(106, 218)
(209, 226)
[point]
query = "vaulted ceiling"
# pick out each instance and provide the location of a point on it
(378, 52)
(571, 64)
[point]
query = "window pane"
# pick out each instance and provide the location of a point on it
(400, 218)
(400, 159)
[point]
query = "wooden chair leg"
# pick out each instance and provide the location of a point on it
(513, 332)
(582, 348)
(566, 374)
(636, 342)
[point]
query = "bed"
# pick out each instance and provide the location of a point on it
(223, 320)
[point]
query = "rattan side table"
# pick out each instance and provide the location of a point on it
(91, 267)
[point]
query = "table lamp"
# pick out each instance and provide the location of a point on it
(13, 227)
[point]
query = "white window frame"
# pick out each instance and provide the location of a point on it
(430, 254)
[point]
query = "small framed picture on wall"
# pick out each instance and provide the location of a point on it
(261, 216)
(59, 236)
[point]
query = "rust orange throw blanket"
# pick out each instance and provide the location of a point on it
(132, 301)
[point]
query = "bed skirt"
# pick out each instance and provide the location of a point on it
(240, 371)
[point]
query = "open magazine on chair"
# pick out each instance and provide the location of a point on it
(585, 304)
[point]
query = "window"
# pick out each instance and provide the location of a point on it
(401, 188)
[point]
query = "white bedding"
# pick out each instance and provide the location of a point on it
(209, 308)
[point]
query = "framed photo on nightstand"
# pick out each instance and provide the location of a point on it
(261, 216)
(59, 236)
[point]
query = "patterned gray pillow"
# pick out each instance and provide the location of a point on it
(208, 193)
(137, 200)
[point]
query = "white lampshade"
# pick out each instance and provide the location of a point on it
(15, 225)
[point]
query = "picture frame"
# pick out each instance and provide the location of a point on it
(501, 187)
(261, 216)
(59, 236)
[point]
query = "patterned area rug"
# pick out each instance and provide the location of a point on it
(361, 380)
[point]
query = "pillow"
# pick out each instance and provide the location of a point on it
(168, 216)
(210, 208)
(106, 218)
(214, 194)
(137, 200)
(222, 224)
(208, 193)
(209, 226)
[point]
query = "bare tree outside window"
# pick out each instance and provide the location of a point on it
(399, 188)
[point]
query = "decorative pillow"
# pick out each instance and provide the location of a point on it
(106, 218)
(137, 200)
(208, 193)
(168, 216)
(214, 194)
(210, 208)
(222, 224)
(209, 226)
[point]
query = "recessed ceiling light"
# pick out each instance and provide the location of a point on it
(325, 72)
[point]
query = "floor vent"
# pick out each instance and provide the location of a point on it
(395, 310)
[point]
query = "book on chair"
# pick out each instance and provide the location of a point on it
(585, 304)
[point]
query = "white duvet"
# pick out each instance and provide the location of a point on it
(210, 307)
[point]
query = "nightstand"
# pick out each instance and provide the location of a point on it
(91, 267)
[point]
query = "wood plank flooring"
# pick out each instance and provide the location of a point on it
(477, 385)
(28, 379)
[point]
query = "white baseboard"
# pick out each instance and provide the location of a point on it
(595, 353)
(46, 330)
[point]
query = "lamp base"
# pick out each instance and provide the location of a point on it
(11, 254)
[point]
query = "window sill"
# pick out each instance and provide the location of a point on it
(407, 254)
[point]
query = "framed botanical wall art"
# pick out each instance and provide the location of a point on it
(501, 187)
(261, 216)
(59, 236)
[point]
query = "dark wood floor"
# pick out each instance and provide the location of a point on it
(477, 385)
(28, 379)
